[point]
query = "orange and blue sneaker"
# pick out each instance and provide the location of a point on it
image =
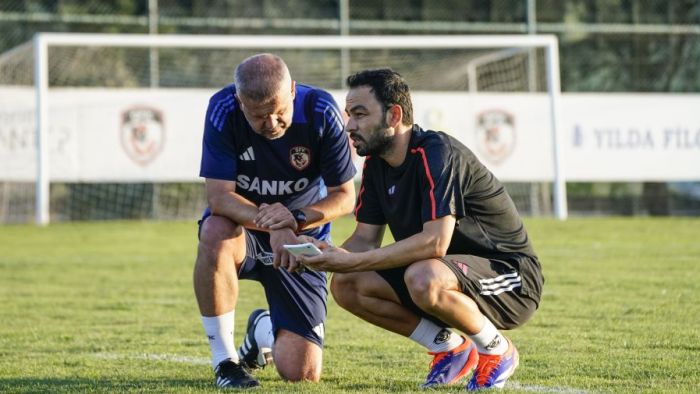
(493, 370)
(451, 366)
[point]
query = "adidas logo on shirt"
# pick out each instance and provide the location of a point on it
(248, 155)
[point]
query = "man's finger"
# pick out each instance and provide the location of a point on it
(293, 264)
(276, 260)
(284, 260)
(282, 224)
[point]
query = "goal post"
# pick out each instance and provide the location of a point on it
(364, 51)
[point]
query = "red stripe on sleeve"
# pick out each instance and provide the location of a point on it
(362, 188)
(430, 180)
(359, 200)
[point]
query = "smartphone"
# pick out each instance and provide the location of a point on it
(307, 250)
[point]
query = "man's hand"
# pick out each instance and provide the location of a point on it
(323, 245)
(275, 217)
(283, 258)
(332, 260)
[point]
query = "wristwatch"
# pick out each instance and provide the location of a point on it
(300, 217)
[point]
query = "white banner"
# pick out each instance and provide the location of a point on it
(510, 134)
(99, 135)
(626, 137)
(144, 135)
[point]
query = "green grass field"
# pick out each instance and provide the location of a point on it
(109, 307)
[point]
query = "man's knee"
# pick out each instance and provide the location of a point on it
(344, 288)
(299, 373)
(296, 358)
(218, 234)
(423, 285)
(218, 229)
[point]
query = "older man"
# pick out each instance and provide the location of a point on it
(276, 164)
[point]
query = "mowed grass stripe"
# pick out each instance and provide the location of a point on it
(109, 307)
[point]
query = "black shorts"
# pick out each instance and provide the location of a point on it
(506, 289)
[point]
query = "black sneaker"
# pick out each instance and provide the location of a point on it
(230, 374)
(251, 356)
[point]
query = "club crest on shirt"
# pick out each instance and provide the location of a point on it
(142, 133)
(495, 134)
(300, 157)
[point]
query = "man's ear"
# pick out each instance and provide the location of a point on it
(294, 88)
(394, 116)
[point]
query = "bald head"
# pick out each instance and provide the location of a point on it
(261, 77)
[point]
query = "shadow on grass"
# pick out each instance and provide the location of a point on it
(132, 385)
(81, 385)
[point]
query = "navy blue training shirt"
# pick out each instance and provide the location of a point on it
(294, 169)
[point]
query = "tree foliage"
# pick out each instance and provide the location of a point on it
(594, 57)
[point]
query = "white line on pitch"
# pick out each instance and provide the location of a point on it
(154, 357)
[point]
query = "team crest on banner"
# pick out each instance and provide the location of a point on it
(300, 157)
(142, 133)
(495, 134)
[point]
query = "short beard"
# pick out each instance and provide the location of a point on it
(378, 143)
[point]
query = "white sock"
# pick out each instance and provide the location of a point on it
(489, 340)
(263, 333)
(435, 338)
(219, 330)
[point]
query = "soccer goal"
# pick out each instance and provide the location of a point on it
(100, 126)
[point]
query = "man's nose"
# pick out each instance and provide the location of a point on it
(350, 126)
(271, 122)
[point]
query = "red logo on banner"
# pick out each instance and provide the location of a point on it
(142, 133)
(495, 134)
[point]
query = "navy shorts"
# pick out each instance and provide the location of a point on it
(297, 301)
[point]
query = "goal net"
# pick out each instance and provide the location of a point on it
(101, 126)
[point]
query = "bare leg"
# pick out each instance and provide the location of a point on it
(369, 296)
(435, 289)
(219, 255)
(297, 358)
